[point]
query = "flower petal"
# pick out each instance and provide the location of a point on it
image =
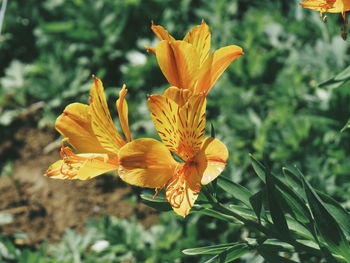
(102, 123)
(181, 128)
(180, 96)
(215, 154)
(191, 126)
(81, 166)
(146, 163)
(215, 65)
(332, 6)
(75, 124)
(200, 38)
(179, 62)
(161, 33)
(122, 107)
(180, 192)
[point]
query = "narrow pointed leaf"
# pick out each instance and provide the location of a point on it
(159, 203)
(230, 254)
(273, 257)
(293, 179)
(256, 202)
(237, 191)
(292, 202)
(274, 201)
(208, 250)
(212, 130)
(338, 212)
(327, 226)
(214, 213)
(346, 126)
(259, 168)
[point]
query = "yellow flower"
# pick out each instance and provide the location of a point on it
(329, 6)
(91, 131)
(188, 63)
(179, 117)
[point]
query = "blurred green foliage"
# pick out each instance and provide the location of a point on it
(269, 102)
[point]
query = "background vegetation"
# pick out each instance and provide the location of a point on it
(269, 102)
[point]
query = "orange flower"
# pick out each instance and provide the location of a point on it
(187, 63)
(91, 131)
(179, 117)
(329, 6)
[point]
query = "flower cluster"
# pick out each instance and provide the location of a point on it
(178, 115)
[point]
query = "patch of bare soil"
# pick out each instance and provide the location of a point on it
(44, 207)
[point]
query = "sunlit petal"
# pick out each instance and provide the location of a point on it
(180, 96)
(146, 163)
(191, 126)
(200, 38)
(75, 124)
(215, 65)
(181, 128)
(164, 113)
(81, 166)
(180, 192)
(122, 107)
(331, 6)
(102, 123)
(215, 153)
(161, 33)
(179, 62)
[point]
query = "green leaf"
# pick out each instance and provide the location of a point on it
(292, 202)
(294, 180)
(259, 168)
(212, 130)
(214, 213)
(274, 202)
(230, 254)
(265, 252)
(326, 225)
(58, 27)
(237, 191)
(338, 212)
(346, 126)
(161, 204)
(257, 203)
(208, 250)
(338, 80)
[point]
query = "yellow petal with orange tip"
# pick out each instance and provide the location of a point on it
(331, 6)
(180, 96)
(200, 38)
(81, 166)
(179, 62)
(182, 193)
(180, 128)
(146, 163)
(161, 33)
(122, 107)
(75, 124)
(102, 123)
(215, 65)
(215, 154)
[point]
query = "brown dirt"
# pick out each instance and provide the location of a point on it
(43, 207)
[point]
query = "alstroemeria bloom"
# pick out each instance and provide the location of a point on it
(179, 117)
(188, 63)
(91, 131)
(329, 6)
